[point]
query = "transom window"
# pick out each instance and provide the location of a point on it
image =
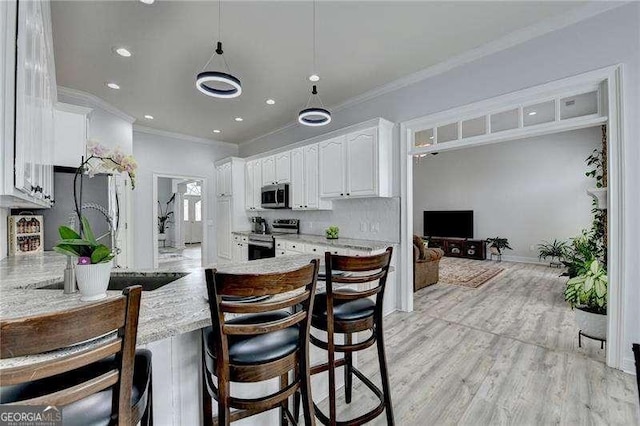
(194, 188)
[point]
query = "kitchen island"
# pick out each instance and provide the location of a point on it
(170, 321)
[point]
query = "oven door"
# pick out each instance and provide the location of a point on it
(260, 250)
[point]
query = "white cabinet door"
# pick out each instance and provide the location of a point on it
(223, 227)
(268, 171)
(228, 189)
(243, 252)
(220, 181)
(332, 163)
(283, 167)
(311, 182)
(70, 136)
(297, 188)
(249, 172)
(362, 158)
(257, 185)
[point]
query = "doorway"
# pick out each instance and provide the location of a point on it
(179, 217)
(606, 109)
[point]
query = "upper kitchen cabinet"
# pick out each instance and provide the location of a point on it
(253, 185)
(28, 96)
(304, 190)
(224, 184)
(70, 134)
(276, 168)
(358, 164)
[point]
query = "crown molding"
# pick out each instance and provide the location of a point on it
(157, 132)
(512, 39)
(94, 101)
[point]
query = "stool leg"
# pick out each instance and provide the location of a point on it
(297, 395)
(331, 371)
(305, 390)
(224, 412)
(207, 409)
(348, 370)
(284, 381)
(384, 375)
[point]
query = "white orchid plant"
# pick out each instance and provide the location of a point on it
(103, 160)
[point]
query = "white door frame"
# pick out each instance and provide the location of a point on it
(611, 78)
(154, 216)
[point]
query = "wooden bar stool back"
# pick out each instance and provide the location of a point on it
(94, 385)
(268, 339)
(344, 310)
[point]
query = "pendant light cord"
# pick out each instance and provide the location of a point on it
(314, 37)
(226, 65)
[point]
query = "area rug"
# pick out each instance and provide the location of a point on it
(473, 275)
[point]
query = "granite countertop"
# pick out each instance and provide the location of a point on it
(176, 308)
(350, 243)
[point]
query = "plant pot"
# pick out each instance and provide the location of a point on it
(600, 195)
(494, 250)
(591, 324)
(162, 236)
(332, 238)
(93, 281)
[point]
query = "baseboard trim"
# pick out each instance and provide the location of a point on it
(524, 259)
(629, 365)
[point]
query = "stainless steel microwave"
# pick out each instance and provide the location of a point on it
(275, 196)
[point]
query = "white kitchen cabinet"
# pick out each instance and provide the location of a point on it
(230, 205)
(358, 164)
(332, 167)
(276, 168)
(269, 170)
(297, 187)
(253, 185)
(240, 249)
(223, 228)
(294, 247)
(305, 191)
(224, 184)
(27, 98)
(70, 134)
(283, 167)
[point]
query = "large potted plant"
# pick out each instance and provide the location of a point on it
(587, 293)
(164, 218)
(94, 260)
(497, 244)
(555, 250)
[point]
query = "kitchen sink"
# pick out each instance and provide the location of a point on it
(120, 280)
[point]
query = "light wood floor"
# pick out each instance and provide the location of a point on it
(504, 353)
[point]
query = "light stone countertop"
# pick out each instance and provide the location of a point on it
(321, 240)
(176, 308)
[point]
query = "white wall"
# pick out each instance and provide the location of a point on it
(607, 39)
(528, 190)
(173, 156)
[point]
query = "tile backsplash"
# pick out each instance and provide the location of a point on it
(361, 218)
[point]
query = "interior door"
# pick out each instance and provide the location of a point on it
(192, 219)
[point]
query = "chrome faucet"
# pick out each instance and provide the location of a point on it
(70, 277)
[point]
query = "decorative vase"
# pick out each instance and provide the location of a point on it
(591, 323)
(93, 280)
(162, 236)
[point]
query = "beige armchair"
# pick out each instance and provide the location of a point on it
(426, 264)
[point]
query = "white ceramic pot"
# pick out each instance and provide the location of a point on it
(162, 236)
(591, 324)
(93, 281)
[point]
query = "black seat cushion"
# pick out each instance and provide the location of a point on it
(254, 349)
(349, 310)
(94, 409)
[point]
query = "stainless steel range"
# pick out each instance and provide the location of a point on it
(262, 244)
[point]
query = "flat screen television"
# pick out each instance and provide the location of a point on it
(448, 223)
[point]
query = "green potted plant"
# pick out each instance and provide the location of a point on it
(332, 232)
(587, 293)
(598, 171)
(497, 244)
(555, 250)
(94, 260)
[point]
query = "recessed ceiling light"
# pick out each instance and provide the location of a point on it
(532, 113)
(113, 86)
(270, 102)
(314, 77)
(148, 117)
(238, 118)
(216, 131)
(122, 51)
(148, 1)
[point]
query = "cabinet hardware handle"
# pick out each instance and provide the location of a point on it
(348, 194)
(341, 194)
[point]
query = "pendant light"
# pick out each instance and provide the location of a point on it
(314, 116)
(205, 78)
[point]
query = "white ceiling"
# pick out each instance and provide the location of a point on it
(361, 45)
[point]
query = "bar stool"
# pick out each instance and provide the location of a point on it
(266, 342)
(107, 383)
(347, 311)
